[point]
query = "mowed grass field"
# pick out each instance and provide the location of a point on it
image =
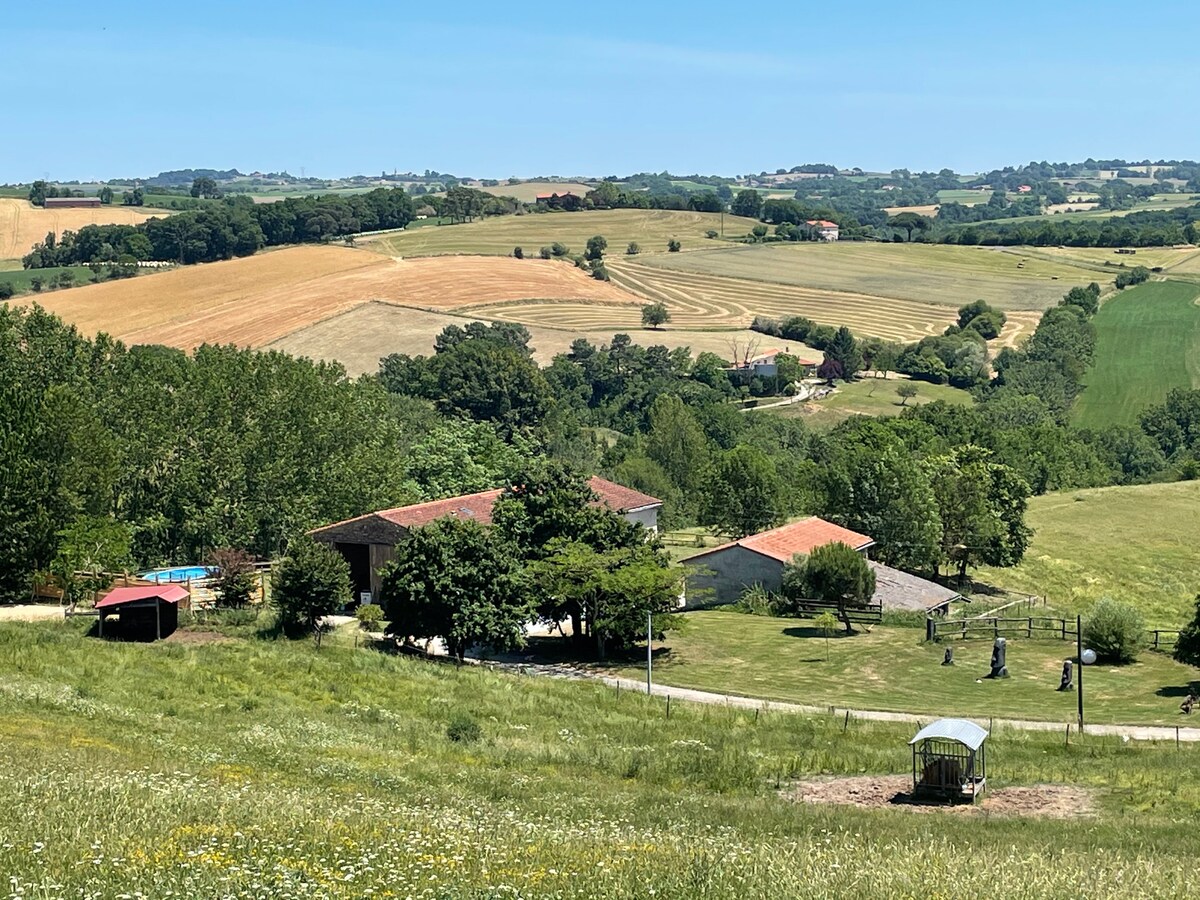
(894, 669)
(651, 229)
(869, 397)
(259, 299)
(22, 224)
(264, 769)
(923, 273)
(1136, 544)
(360, 337)
(1147, 342)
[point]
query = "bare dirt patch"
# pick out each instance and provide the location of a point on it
(1054, 801)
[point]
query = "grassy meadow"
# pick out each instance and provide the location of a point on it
(893, 668)
(927, 273)
(868, 397)
(650, 228)
(1147, 342)
(1135, 544)
(260, 769)
(22, 279)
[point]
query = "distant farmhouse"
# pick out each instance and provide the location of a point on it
(824, 229)
(72, 202)
(566, 200)
(765, 365)
(722, 574)
(368, 542)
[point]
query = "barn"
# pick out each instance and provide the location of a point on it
(72, 202)
(368, 542)
(723, 574)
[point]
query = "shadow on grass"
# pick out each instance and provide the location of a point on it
(1192, 687)
(809, 631)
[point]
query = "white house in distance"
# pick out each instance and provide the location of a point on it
(824, 229)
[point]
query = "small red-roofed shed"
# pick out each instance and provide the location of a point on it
(145, 611)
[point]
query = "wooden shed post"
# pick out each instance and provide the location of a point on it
(158, 617)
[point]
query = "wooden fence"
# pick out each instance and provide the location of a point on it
(991, 627)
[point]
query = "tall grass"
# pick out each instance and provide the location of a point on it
(269, 769)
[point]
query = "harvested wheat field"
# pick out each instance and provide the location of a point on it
(359, 338)
(22, 224)
(259, 299)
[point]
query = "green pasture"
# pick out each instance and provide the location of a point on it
(22, 279)
(934, 273)
(1135, 544)
(868, 397)
(893, 668)
(964, 196)
(1147, 342)
(269, 769)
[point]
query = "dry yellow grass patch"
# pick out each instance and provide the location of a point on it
(260, 299)
(22, 224)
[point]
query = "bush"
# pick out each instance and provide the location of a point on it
(673, 246)
(758, 601)
(1114, 630)
(633, 249)
(518, 253)
(463, 729)
(311, 582)
(233, 576)
(557, 249)
(711, 233)
(599, 272)
(545, 253)
(369, 616)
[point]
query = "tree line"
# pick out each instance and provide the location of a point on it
(234, 227)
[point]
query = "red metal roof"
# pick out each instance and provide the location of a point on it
(800, 537)
(822, 223)
(478, 506)
(168, 593)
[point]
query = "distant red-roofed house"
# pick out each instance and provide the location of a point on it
(368, 542)
(566, 200)
(824, 229)
(1024, 189)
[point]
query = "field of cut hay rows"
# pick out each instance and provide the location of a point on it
(649, 228)
(527, 191)
(22, 224)
(926, 273)
(260, 299)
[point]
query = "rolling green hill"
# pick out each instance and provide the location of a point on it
(1147, 342)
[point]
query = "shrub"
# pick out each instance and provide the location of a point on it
(369, 616)
(557, 249)
(545, 253)
(37, 283)
(233, 576)
(633, 249)
(6, 290)
(518, 253)
(711, 233)
(758, 601)
(463, 729)
(599, 272)
(311, 582)
(1114, 630)
(1187, 645)
(673, 246)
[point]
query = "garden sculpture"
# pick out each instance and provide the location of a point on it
(1067, 672)
(999, 669)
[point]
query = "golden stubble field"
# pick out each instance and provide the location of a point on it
(22, 224)
(259, 299)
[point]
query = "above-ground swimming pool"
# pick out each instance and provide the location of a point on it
(177, 573)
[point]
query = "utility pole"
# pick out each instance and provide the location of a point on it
(1079, 653)
(649, 651)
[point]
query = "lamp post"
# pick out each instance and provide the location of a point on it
(1079, 652)
(649, 651)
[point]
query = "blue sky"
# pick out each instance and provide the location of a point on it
(127, 88)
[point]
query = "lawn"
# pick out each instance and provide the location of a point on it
(892, 668)
(265, 769)
(1132, 543)
(928, 273)
(651, 229)
(22, 279)
(868, 397)
(1147, 342)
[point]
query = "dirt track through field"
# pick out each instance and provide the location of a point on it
(22, 224)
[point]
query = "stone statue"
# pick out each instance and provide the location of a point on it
(1067, 672)
(999, 669)
(948, 659)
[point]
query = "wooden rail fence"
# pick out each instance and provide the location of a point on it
(991, 627)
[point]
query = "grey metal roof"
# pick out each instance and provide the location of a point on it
(899, 590)
(960, 730)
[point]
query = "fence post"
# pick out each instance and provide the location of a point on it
(1064, 628)
(995, 627)
(1029, 628)
(1156, 639)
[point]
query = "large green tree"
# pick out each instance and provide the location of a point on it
(747, 203)
(742, 494)
(833, 573)
(456, 581)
